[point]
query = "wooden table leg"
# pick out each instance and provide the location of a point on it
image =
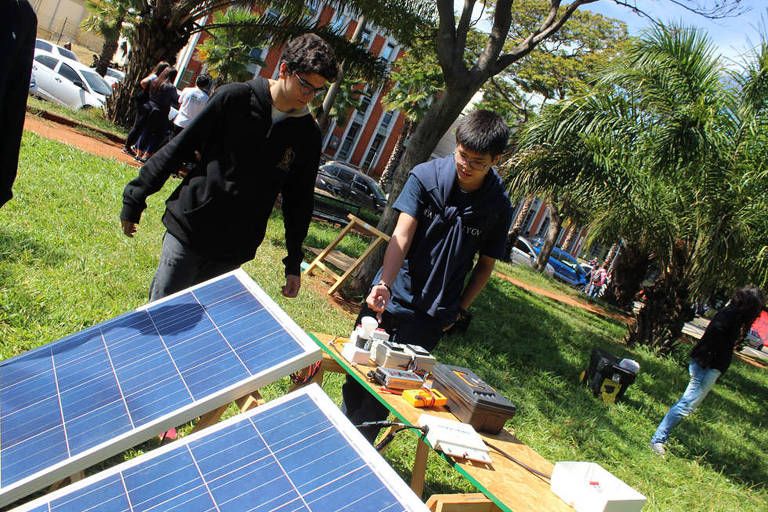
(419, 468)
(475, 502)
(248, 402)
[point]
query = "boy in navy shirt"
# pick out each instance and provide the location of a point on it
(451, 209)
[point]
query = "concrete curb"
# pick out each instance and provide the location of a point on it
(57, 118)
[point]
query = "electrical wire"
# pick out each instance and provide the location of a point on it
(389, 437)
(518, 462)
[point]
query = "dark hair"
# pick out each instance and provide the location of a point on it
(159, 67)
(203, 81)
(483, 131)
(309, 53)
(748, 301)
(166, 77)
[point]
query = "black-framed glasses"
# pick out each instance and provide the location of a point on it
(473, 165)
(307, 88)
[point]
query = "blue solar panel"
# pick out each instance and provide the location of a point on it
(296, 453)
(78, 400)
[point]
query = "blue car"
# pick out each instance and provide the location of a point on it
(567, 269)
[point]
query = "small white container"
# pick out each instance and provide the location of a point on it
(588, 487)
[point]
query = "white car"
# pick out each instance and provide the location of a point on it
(68, 82)
(523, 254)
(54, 49)
(112, 77)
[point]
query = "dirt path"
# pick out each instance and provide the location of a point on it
(73, 137)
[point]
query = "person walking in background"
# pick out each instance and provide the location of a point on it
(255, 140)
(711, 357)
(162, 94)
(598, 280)
(191, 102)
(18, 27)
(140, 101)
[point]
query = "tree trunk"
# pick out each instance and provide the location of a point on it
(555, 222)
(629, 271)
(517, 227)
(324, 119)
(611, 254)
(149, 45)
(385, 182)
(428, 133)
(569, 239)
(665, 309)
(109, 48)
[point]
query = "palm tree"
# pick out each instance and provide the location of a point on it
(679, 150)
(227, 52)
(107, 18)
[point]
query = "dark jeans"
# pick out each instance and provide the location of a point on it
(138, 126)
(359, 405)
(180, 267)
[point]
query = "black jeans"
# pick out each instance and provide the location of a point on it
(358, 404)
(142, 111)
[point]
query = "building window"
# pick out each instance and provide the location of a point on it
(337, 23)
(387, 52)
(375, 147)
(385, 121)
(365, 38)
(365, 102)
(254, 65)
(346, 146)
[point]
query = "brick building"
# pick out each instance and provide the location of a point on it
(367, 139)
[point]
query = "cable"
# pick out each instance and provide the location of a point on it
(389, 437)
(520, 463)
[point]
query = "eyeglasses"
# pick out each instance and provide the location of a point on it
(472, 165)
(307, 89)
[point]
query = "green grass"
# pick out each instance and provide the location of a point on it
(64, 265)
(90, 116)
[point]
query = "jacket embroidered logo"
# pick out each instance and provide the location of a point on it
(287, 160)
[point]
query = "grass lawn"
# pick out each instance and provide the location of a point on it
(64, 265)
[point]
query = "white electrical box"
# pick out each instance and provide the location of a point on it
(455, 438)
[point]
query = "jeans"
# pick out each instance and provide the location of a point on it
(702, 380)
(180, 267)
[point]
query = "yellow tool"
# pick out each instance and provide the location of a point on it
(424, 397)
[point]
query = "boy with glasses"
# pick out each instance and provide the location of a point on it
(251, 142)
(451, 210)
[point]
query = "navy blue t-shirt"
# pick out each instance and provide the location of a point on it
(453, 226)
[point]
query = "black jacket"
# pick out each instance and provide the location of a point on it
(715, 349)
(222, 206)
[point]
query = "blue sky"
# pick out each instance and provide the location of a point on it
(733, 35)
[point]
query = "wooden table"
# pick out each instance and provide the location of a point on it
(506, 484)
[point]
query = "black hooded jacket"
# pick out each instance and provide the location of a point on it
(222, 206)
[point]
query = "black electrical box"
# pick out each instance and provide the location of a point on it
(471, 400)
(605, 378)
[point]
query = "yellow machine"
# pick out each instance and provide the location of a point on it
(424, 397)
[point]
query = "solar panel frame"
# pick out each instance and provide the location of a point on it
(390, 480)
(311, 353)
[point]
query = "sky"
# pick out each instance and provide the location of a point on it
(733, 36)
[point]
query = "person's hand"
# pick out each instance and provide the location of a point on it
(292, 285)
(129, 228)
(378, 298)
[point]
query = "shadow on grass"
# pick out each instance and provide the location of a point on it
(15, 246)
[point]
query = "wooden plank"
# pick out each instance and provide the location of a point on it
(419, 468)
(474, 502)
(322, 255)
(336, 258)
(209, 418)
(357, 263)
(250, 401)
(368, 227)
(503, 481)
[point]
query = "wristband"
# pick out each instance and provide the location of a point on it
(385, 285)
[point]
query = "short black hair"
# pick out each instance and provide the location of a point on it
(483, 131)
(309, 53)
(203, 81)
(748, 301)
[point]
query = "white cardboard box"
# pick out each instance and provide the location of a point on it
(589, 488)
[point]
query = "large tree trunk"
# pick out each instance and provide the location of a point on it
(665, 309)
(517, 227)
(555, 221)
(569, 239)
(610, 256)
(423, 141)
(385, 182)
(109, 48)
(149, 45)
(629, 271)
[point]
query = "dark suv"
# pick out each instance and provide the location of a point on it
(347, 183)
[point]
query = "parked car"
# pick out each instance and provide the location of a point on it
(566, 267)
(67, 82)
(32, 84)
(113, 76)
(54, 49)
(347, 183)
(523, 253)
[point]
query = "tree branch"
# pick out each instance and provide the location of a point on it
(446, 36)
(502, 20)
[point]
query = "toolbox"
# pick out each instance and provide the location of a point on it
(471, 400)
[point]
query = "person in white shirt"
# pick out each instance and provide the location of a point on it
(191, 101)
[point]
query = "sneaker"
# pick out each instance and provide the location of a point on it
(128, 151)
(658, 448)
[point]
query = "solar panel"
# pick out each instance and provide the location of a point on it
(295, 453)
(71, 403)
